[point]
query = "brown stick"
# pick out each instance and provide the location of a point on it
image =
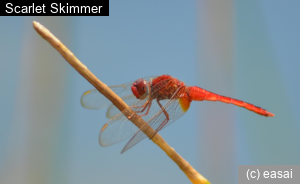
(191, 173)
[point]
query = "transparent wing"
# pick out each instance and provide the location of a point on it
(93, 99)
(120, 128)
(113, 110)
(158, 122)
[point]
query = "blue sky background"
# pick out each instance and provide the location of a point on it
(142, 39)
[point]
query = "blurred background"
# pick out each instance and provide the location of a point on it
(247, 50)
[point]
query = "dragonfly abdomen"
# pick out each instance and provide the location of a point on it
(246, 105)
(200, 94)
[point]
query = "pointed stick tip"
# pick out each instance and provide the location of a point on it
(35, 23)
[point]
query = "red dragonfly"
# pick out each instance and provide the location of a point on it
(158, 100)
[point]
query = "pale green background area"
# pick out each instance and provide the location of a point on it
(141, 39)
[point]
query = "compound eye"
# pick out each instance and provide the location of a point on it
(141, 86)
(135, 91)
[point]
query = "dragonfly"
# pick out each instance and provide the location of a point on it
(158, 100)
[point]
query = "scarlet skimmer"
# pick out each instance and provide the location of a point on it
(158, 100)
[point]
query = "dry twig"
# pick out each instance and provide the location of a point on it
(191, 173)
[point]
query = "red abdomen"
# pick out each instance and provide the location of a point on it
(199, 94)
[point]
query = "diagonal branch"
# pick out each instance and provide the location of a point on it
(191, 173)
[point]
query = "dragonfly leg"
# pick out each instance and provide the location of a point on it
(147, 104)
(143, 106)
(165, 112)
(167, 117)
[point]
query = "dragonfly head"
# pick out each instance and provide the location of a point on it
(139, 88)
